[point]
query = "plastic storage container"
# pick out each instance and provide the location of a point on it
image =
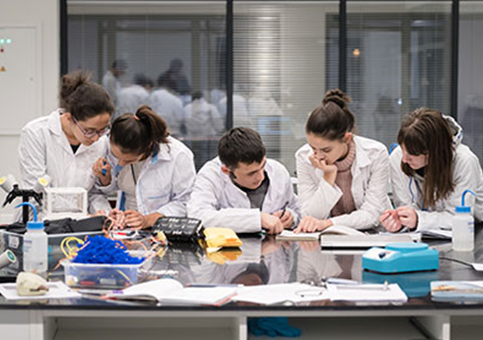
(107, 276)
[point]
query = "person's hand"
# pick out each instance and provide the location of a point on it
(330, 170)
(390, 220)
(102, 169)
(408, 217)
(272, 224)
(135, 219)
(118, 217)
(310, 224)
(286, 218)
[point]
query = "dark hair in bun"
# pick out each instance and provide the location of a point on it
(332, 119)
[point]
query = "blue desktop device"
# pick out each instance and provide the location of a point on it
(400, 258)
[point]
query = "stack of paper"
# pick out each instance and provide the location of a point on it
(366, 293)
(438, 234)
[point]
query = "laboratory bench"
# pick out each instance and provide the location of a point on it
(262, 260)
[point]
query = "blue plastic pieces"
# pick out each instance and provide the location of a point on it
(272, 327)
(101, 250)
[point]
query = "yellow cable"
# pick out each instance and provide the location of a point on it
(125, 276)
(70, 252)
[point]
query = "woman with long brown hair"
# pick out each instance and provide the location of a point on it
(429, 172)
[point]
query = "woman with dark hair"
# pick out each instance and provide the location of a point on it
(153, 171)
(65, 144)
(429, 172)
(342, 178)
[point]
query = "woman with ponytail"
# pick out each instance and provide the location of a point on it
(65, 144)
(342, 178)
(153, 171)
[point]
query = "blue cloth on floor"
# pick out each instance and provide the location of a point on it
(274, 326)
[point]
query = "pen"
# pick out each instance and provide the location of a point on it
(103, 169)
(284, 209)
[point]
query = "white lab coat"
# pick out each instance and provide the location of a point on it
(169, 107)
(165, 182)
(202, 119)
(370, 183)
(132, 97)
(220, 203)
(45, 150)
(467, 175)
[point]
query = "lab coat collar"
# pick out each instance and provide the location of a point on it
(163, 154)
(54, 123)
(362, 157)
(55, 127)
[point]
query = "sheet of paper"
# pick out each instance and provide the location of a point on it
(201, 296)
(280, 293)
(57, 290)
(367, 292)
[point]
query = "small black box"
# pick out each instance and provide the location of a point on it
(180, 229)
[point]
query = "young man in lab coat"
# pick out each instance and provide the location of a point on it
(243, 190)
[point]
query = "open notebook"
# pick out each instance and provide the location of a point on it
(332, 230)
(172, 292)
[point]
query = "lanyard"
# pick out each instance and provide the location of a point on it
(413, 197)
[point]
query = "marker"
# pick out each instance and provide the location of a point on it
(104, 169)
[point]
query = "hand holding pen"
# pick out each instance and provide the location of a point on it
(102, 169)
(285, 216)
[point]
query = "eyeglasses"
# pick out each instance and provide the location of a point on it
(91, 133)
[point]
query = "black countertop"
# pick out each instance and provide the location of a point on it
(263, 260)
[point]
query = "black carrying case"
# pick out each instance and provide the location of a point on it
(180, 229)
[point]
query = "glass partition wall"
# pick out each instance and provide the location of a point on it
(205, 66)
(470, 72)
(168, 55)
